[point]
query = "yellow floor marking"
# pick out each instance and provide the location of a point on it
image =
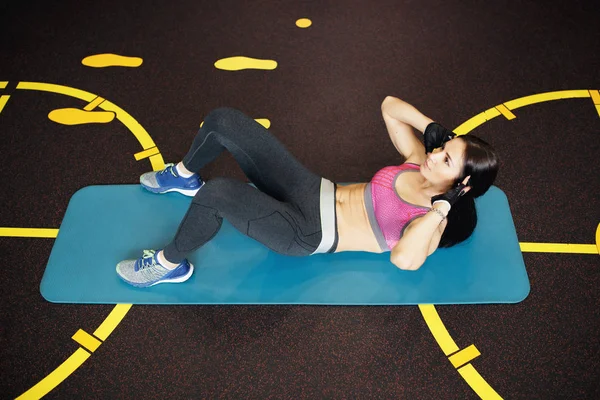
(75, 116)
(61, 373)
(477, 120)
(464, 356)
(29, 232)
(542, 97)
(595, 96)
(138, 131)
(97, 101)
(559, 248)
(146, 153)
(66, 90)
(3, 84)
(506, 112)
(263, 121)
(238, 63)
(134, 127)
(111, 60)
(303, 23)
(158, 164)
(110, 323)
(3, 100)
(477, 383)
(598, 238)
(437, 328)
(86, 340)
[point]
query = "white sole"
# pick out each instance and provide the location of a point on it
(188, 192)
(179, 279)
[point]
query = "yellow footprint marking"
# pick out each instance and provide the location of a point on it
(240, 62)
(75, 116)
(303, 23)
(111, 60)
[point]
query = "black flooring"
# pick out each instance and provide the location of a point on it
(452, 60)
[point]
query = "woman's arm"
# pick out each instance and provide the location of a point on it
(421, 238)
(400, 117)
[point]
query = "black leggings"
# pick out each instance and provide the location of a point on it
(282, 212)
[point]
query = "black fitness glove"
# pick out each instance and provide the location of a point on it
(451, 196)
(435, 136)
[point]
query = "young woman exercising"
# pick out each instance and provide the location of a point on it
(409, 210)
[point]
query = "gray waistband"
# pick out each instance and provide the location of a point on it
(328, 227)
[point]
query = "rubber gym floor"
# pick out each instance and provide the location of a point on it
(452, 60)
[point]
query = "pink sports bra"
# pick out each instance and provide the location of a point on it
(388, 213)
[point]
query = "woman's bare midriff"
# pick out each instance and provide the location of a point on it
(354, 228)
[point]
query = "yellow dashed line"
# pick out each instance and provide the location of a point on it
(505, 111)
(146, 153)
(61, 373)
(3, 101)
(477, 383)
(97, 101)
(464, 356)
(559, 248)
(3, 84)
(86, 340)
(29, 232)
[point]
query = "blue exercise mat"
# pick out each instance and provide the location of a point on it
(106, 224)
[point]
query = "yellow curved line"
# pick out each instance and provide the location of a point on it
(60, 89)
(543, 97)
(138, 131)
(61, 373)
(437, 328)
(110, 323)
(448, 346)
(487, 115)
(477, 383)
(120, 310)
(477, 120)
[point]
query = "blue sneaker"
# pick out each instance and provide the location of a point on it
(147, 271)
(168, 180)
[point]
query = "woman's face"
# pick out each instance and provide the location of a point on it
(444, 165)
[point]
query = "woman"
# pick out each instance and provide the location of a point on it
(409, 210)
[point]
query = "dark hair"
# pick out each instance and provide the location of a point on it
(482, 163)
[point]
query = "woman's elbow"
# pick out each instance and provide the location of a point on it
(405, 262)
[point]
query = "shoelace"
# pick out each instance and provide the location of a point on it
(169, 167)
(148, 259)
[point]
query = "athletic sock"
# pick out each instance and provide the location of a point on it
(163, 261)
(181, 173)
